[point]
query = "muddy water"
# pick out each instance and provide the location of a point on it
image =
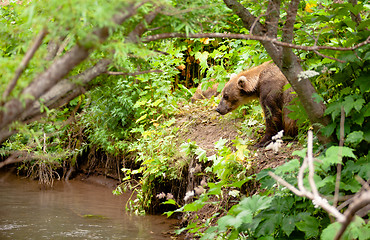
(72, 210)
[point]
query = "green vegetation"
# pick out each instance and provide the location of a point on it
(115, 92)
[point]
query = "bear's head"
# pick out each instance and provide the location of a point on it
(237, 91)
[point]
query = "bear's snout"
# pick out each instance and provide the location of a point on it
(221, 111)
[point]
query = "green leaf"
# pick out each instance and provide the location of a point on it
(220, 143)
(201, 153)
(170, 201)
(348, 104)
(141, 118)
(266, 238)
(239, 184)
(367, 111)
(202, 57)
(363, 81)
(330, 231)
(255, 204)
(309, 225)
(300, 153)
(194, 206)
(268, 226)
(324, 182)
(289, 167)
(360, 167)
(214, 189)
(358, 104)
(334, 154)
(228, 221)
(328, 129)
(355, 137)
(333, 109)
(357, 229)
(288, 224)
(351, 185)
(235, 222)
(156, 103)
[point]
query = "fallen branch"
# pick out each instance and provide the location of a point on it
(20, 156)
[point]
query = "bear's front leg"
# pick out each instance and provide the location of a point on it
(273, 117)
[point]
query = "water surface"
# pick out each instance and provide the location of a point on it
(71, 210)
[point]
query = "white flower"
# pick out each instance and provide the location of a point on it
(276, 142)
(307, 74)
(169, 196)
(279, 135)
(161, 195)
(189, 195)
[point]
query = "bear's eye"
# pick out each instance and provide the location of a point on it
(226, 97)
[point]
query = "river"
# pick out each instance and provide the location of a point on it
(71, 210)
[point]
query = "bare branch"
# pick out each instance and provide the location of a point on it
(314, 195)
(247, 17)
(27, 58)
(362, 201)
(141, 27)
(326, 56)
(339, 165)
(257, 21)
(251, 37)
(286, 184)
(135, 73)
(66, 89)
(311, 167)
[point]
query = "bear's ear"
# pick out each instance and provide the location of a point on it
(242, 83)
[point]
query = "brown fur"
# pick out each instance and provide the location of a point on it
(264, 82)
(199, 94)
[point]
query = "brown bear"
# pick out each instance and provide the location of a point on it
(264, 82)
(208, 93)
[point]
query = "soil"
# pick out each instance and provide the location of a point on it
(199, 122)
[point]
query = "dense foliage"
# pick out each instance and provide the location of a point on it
(131, 114)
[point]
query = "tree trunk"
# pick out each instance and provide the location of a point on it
(285, 59)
